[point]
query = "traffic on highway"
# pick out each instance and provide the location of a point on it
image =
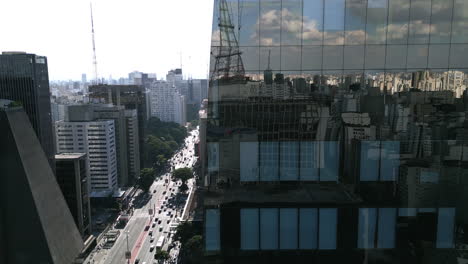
(155, 217)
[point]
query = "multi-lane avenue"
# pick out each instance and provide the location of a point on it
(168, 207)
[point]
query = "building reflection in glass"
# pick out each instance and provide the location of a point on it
(337, 131)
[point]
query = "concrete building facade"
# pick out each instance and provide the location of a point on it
(97, 140)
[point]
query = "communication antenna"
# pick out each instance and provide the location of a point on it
(94, 46)
(228, 60)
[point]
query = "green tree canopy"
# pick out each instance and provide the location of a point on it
(182, 174)
(161, 255)
(194, 249)
(147, 176)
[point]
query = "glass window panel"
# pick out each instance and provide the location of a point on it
(438, 55)
(327, 228)
(291, 58)
(250, 58)
(248, 161)
(460, 21)
(417, 56)
(249, 229)
(427, 210)
(375, 57)
(288, 228)
(396, 56)
(334, 22)
(215, 27)
(308, 228)
(212, 241)
(366, 229)
(332, 57)
(352, 81)
(275, 59)
(355, 26)
(329, 160)
(386, 228)
(445, 228)
(311, 57)
(441, 21)
(269, 161)
(370, 155)
(270, 22)
(248, 33)
(213, 156)
(214, 51)
(291, 22)
(354, 57)
(398, 16)
(331, 81)
(312, 31)
(309, 171)
(390, 160)
(376, 21)
(289, 161)
(429, 176)
(458, 56)
(419, 26)
(406, 212)
(268, 228)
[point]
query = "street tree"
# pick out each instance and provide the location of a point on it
(182, 174)
(183, 187)
(147, 176)
(161, 255)
(194, 249)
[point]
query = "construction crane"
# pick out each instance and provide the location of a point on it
(94, 46)
(228, 60)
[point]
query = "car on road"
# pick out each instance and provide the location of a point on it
(147, 227)
(151, 248)
(153, 225)
(160, 229)
(150, 232)
(159, 222)
(154, 191)
(137, 261)
(159, 211)
(151, 239)
(164, 193)
(168, 221)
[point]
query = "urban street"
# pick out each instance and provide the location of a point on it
(168, 211)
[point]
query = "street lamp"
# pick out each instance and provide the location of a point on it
(128, 254)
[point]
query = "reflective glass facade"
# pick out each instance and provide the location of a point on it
(337, 130)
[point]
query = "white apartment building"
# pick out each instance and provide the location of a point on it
(166, 103)
(97, 139)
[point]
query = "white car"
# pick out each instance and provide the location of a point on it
(151, 248)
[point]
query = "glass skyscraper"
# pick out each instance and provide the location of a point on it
(24, 78)
(337, 132)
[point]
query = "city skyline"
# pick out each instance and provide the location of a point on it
(62, 32)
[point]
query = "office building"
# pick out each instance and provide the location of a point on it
(97, 140)
(74, 181)
(133, 146)
(129, 96)
(95, 112)
(167, 103)
(331, 132)
(36, 225)
(24, 78)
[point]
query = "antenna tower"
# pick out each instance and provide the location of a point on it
(228, 61)
(94, 46)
